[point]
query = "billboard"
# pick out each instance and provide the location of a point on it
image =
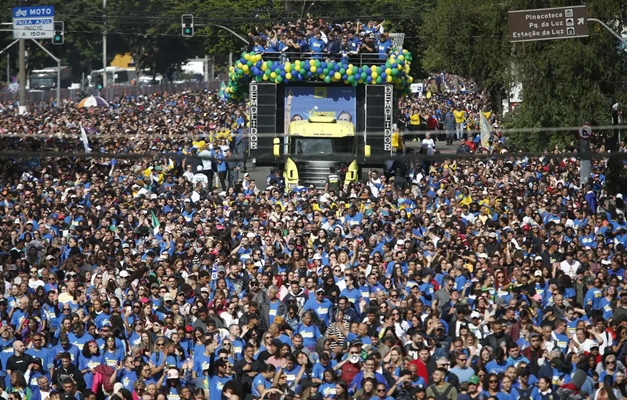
(302, 102)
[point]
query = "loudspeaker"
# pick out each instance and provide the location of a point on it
(379, 118)
(263, 105)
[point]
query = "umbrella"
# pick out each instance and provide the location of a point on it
(93, 101)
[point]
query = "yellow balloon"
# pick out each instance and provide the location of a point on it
(349, 72)
(288, 76)
(257, 57)
(288, 66)
(374, 75)
(312, 62)
(297, 67)
(388, 79)
(273, 75)
(239, 65)
(373, 69)
(401, 57)
(350, 66)
(313, 69)
(388, 71)
(410, 79)
(231, 69)
(264, 67)
(337, 76)
(265, 77)
(247, 56)
(245, 68)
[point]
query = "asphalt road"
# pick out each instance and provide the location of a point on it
(259, 174)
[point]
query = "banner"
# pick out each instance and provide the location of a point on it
(484, 125)
(302, 102)
(85, 140)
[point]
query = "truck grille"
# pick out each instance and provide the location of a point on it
(314, 172)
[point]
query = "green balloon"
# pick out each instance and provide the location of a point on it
(277, 71)
(379, 80)
(279, 79)
(354, 83)
(258, 78)
(325, 71)
(394, 72)
(388, 64)
(327, 79)
(249, 63)
(267, 72)
(379, 70)
(317, 63)
(351, 79)
(355, 70)
(342, 71)
(364, 67)
(363, 75)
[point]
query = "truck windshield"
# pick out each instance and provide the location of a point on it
(322, 146)
(37, 82)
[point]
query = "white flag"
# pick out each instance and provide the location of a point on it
(85, 140)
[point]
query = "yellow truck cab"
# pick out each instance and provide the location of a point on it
(312, 147)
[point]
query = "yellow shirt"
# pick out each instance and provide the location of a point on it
(459, 116)
(199, 144)
(414, 119)
(396, 142)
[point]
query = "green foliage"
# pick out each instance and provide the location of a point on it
(565, 82)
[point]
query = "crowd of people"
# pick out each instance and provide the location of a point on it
(138, 278)
(323, 39)
(446, 108)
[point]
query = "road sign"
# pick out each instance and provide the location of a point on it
(585, 132)
(36, 22)
(548, 24)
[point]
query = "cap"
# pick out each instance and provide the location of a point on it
(173, 373)
(320, 290)
(482, 255)
(537, 273)
(474, 380)
(49, 257)
(124, 274)
(474, 315)
(492, 235)
(189, 329)
(538, 258)
(168, 297)
(221, 269)
(125, 246)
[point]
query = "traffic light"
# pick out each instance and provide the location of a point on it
(58, 37)
(187, 25)
(99, 82)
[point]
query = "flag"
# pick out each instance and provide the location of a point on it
(485, 131)
(222, 92)
(85, 140)
(320, 92)
(154, 221)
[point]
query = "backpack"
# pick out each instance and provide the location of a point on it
(525, 394)
(441, 396)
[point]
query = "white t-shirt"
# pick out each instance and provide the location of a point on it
(429, 144)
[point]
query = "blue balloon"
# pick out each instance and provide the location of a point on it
(283, 74)
(323, 65)
(309, 74)
(337, 67)
(368, 79)
(258, 64)
(383, 75)
(299, 77)
(344, 77)
(394, 65)
(243, 60)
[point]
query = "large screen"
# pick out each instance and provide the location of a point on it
(302, 102)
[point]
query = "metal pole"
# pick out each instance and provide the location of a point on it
(206, 69)
(104, 45)
(22, 76)
(8, 69)
(226, 29)
(603, 24)
(230, 59)
(59, 83)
